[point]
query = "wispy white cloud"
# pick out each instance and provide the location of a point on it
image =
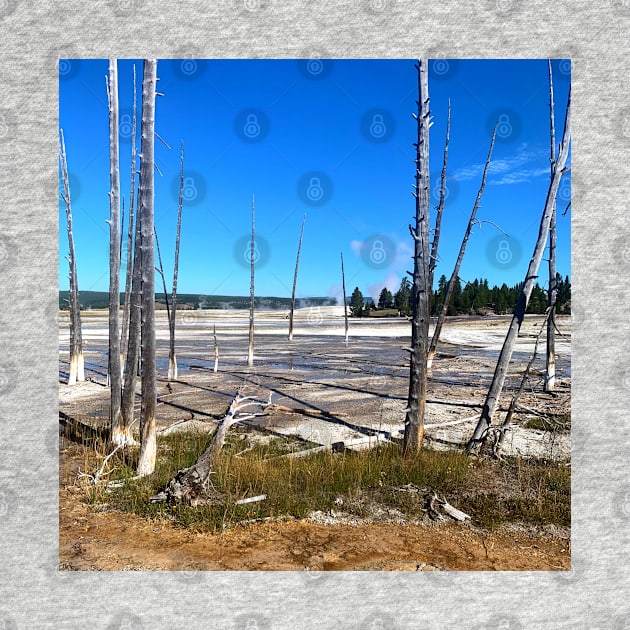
(392, 282)
(523, 166)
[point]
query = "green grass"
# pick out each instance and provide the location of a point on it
(560, 423)
(492, 492)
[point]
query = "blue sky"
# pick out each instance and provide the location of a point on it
(329, 138)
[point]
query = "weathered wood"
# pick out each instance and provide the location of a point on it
(172, 359)
(481, 431)
(191, 485)
(514, 402)
(113, 357)
(77, 370)
(146, 459)
(307, 411)
(160, 270)
(458, 263)
(416, 401)
(552, 292)
(458, 515)
(252, 255)
(256, 499)
(351, 443)
(133, 336)
(305, 453)
(295, 275)
(440, 209)
(124, 337)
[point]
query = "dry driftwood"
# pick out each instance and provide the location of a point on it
(192, 485)
(434, 504)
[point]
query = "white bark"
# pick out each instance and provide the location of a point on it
(481, 431)
(421, 290)
(172, 358)
(146, 460)
(130, 233)
(114, 371)
(250, 350)
(550, 362)
(77, 370)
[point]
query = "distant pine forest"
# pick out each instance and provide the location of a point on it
(471, 298)
(192, 301)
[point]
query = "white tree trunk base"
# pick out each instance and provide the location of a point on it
(77, 369)
(146, 461)
(550, 381)
(172, 368)
(122, 436)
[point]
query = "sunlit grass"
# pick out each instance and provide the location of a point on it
(492, 492)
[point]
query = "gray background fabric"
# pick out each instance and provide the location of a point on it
(33, 594)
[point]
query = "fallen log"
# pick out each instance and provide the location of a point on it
(307, 411)
(192, 485)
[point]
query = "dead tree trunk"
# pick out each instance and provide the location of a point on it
(440, 209)
(146, 460)
(345, 305)
(297, 262)
(550, 363)
(130, 231)
(160, 270)
(216, 350)
(133, 341)
(416, 401)
(191, 485)
(252, 257)
(481, 431)
(460, 257)
(172, 359)
(513, 403)
(113, 362)
(77, 370)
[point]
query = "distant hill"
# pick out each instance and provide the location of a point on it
(100, 299)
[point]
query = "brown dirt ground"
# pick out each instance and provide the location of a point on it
(111, 541)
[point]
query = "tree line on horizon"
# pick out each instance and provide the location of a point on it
(473, 298)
